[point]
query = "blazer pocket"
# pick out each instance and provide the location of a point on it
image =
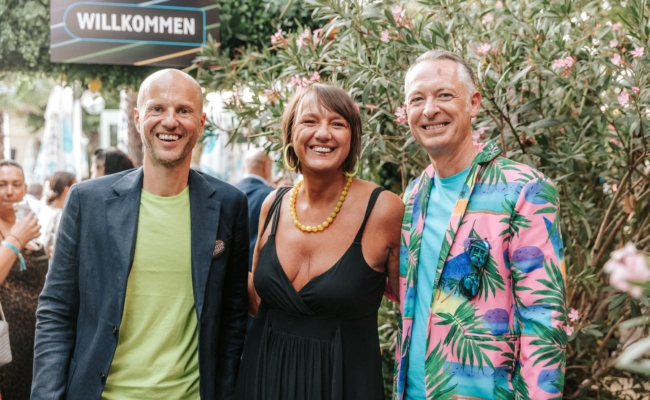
(501, 350)
(221, 248)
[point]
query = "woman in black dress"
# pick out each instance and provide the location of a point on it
(320, 264)
(19, 287)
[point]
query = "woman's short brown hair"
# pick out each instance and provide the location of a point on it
(334, 99)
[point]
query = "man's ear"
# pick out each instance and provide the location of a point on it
(136, 119)
(475, 103)
(203, 117)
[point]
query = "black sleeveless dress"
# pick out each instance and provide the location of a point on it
(319, 343)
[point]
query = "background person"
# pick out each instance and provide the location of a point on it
(50, 214)
(34, 196)
(282, 179)
(258, 168)
(146, 293)
(482, 266)
(320, 265)
(19, 289)
(109, 161)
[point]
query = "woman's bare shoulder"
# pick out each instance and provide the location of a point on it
(389, 207)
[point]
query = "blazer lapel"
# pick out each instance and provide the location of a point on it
(122, 221)
(420, 201)
(204, 214)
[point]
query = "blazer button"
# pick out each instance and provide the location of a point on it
(115, 330)
(102, 377)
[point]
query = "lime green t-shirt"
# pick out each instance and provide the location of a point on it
(157, 349)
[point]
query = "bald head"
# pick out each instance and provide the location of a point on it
(169, 118)
(167, 76)
(258, 163)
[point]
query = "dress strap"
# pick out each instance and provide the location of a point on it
(371, 203)
(275, 207)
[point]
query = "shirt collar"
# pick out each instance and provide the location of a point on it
(259, 178)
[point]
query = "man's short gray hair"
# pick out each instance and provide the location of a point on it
(465, 73)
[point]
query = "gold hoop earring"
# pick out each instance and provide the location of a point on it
(286, 159)
(356, 170)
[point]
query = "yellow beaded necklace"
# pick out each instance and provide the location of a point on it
(328, 221)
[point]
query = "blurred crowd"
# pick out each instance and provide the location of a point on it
(30, 213)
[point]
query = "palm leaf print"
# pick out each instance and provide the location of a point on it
(413, 254)
(515, 222)
(469, 349)
(552, 344)
(550, 194)
(492, 173)
(501, 393)
(437, 376)
(554, 294)
(559, 385)
(444, 248)
(520, 387)
(517, 277)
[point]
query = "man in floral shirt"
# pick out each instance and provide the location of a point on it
(482, 262)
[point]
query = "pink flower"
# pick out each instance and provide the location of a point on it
(476, 135)
(304, 82)
(568, 62)
(268, 92)
(401, 115)
(317, 36)
(384, 36)
(637, 52)
(397, 13)
(498, 5)
(623, 98)
(626, 266)
(636, 292)
(315, 77)
(636, 89)
(487, 18)
(559, 63)
(574, 315)
(244, 132)
(300, 41)
(277, 37)
(371, 107)
(569, 330)
(617, 26)
(616, 60)
(301, 38)
(295, 80)
(483, 49)
(613, 43)
(565, 63)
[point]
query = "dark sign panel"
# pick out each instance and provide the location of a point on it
(157, 33)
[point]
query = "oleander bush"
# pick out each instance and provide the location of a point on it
(566, 89)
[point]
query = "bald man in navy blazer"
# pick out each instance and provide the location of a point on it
(255, 184)
(146, 293)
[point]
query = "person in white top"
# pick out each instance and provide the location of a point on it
(34, 197)
(50, 214)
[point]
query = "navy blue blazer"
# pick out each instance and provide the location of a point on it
(81, 306)
(256, 191)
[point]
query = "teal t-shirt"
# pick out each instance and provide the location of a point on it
(442, 199)
(157, 353)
